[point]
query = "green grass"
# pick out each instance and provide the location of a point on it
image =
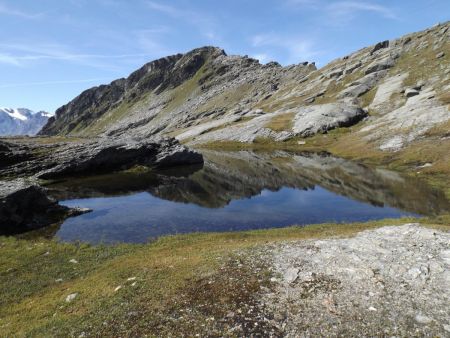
(281, 122)
(191, 276)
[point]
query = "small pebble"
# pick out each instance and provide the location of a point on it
(423, 319)
(71, 297)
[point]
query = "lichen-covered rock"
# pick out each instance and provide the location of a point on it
(321, 118)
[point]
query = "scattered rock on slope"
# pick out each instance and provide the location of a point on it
(306, 121)
(391, 281)
(197, 94)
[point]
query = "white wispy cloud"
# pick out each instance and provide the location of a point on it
(22, 54)
(9, 60)
(204, 22)
(152, 41)
(346, 8)
(167, 9)
(8, 10)
(341, 12)
(304, 3)
(43, 83)
(297, 49)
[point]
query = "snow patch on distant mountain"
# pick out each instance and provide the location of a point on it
(21, 121)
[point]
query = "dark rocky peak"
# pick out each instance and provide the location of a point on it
(188, 65)
(161, 65)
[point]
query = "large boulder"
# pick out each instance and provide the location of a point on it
(362, 85)
(321, 118)
(106, 155)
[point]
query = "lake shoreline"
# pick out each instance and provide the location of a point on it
(171, 275)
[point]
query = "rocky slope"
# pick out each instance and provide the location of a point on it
(21, 121)
(396, 91)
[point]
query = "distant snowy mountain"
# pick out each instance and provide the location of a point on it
(21, 121)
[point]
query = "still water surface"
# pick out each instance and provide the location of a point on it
(239, 191)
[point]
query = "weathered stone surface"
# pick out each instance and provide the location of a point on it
(321, 118)
(378, 65)
(418, 115)
(380, 45)
(350, 68)
(384, 99)
(100, 155)
(362, 85)
(392, 280)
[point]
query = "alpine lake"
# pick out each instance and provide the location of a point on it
(237, 191)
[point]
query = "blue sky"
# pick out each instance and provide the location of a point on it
(51, 50)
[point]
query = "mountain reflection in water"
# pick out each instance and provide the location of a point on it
(239, 191)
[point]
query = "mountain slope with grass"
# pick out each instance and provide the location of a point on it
(398, 89)
(386, 104)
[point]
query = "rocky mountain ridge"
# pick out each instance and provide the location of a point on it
(395, 92)
(21, 121)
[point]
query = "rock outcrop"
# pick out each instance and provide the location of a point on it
(321, 118)
(88, 157)
(306, 121)
(25, 206)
